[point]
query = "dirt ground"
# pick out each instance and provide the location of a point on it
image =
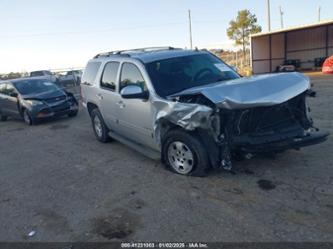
(58, 181)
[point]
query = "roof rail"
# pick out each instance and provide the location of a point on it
(136, 50)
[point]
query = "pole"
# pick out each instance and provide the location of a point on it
(269, 15)
(281, 17)
(190, 24)
(319, 13)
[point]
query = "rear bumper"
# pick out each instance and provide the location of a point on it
(311, 138)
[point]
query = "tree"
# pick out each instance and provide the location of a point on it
(241, 28)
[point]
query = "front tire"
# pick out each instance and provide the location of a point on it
(27, 117)
(184, 154)
(73, 114)
(100, 129)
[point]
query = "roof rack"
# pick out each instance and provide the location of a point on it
(137, 50)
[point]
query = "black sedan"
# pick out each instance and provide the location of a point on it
(34, 99)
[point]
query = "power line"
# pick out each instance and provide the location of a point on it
(91, 31)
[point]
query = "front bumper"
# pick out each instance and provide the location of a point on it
(48, 114)
(55, 110)
(257, 145)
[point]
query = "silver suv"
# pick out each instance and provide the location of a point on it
(193, 111)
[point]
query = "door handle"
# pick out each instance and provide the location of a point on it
(121, 104)
(100, 96)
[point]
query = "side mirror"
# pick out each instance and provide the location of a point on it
(13, 94)
(133, 92)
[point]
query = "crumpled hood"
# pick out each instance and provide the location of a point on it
(262, 90)
(45, 95)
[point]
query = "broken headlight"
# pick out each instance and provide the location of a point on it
(34, 102)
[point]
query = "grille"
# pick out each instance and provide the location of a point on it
(62, 107)
(56, 99)
(269, 119)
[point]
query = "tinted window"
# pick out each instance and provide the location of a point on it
(170, 76)
(35, 86)
(131, 75)
(110, 75)
(90, 72)
(38, 73)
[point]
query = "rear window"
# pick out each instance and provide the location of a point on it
(37, 73)
(90, 73)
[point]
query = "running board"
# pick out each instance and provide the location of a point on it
(153, 154)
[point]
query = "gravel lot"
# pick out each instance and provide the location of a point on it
(57, 180)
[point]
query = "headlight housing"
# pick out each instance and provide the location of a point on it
(34, 102)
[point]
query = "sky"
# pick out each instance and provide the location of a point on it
(45, 34)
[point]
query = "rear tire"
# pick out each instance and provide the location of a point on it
(3, 118)
(100, 129)
(183, 153)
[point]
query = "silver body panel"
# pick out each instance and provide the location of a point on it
(140, 120)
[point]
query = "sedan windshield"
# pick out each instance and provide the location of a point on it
(35, 86)
(170, 76)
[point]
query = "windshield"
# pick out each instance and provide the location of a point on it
(170, 76)
(35, 86)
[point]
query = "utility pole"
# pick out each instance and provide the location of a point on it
(269, 15)
(281, 17)
(190, 23)
(319, 13)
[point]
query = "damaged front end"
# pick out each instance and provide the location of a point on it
(244, 116)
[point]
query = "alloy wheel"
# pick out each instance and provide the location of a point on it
(98, 126)
(180, 157)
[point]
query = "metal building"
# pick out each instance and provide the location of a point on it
(304, 45)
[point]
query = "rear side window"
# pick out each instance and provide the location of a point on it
(131, 75)
(37, 73)
(110, 76)
(90, 73)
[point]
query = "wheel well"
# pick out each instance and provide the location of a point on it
(207, 140)
(166, 126)
(90, 107)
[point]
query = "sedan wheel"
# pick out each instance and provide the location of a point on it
(26, 117)
(2, 117)
(180, 157)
